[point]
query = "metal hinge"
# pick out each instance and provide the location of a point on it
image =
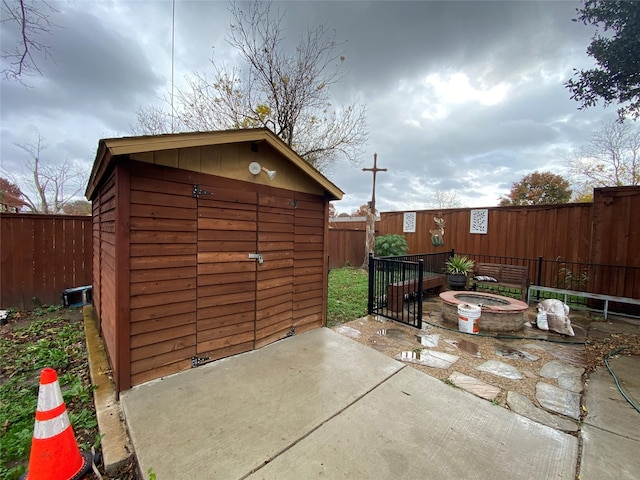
(197, 192)
(294, 203)
(291, 332)
(197, 361)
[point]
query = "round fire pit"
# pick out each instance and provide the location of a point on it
(499, 314)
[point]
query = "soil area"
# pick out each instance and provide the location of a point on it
(594, 338)
(16, 332)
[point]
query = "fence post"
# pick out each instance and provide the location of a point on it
(371, 278)
(539, 276)
(420, 290)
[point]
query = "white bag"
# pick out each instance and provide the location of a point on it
(557, 316)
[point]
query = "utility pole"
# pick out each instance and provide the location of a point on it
(370, 240)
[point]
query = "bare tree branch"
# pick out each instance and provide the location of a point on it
(286, 91)
(51, 187)
(610, 159)
(33, 19)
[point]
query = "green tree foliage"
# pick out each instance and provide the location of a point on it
(538, 188)
(391, 245)
(616, 51)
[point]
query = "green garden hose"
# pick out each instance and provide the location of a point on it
(615, 379)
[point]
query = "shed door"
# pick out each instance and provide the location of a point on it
(243, 304)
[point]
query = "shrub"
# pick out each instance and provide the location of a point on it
(391, 245)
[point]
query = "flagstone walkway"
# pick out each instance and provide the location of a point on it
(536, 374)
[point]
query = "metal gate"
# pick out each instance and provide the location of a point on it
(397, 285)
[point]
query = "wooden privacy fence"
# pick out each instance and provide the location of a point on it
(346, 247)
(604, 232)
(41, 256)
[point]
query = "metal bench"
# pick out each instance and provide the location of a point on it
(576, 293)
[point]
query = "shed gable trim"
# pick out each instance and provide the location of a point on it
(109, 149)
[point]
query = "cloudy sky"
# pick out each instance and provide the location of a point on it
(464, 96)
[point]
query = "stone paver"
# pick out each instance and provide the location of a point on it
(501, 369)
(348, 331)
(557, 368)
(513, 353)
(428, 358)
(430, 340)
(558, 400)
(521, 405)
(571, 383)
(474, 385)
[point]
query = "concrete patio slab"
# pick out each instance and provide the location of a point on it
(606, 407)
(611, 430)
(227, 418)
(322, 405)
(414, 426)
(608, 455)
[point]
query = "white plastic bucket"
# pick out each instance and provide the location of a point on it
(469, 318)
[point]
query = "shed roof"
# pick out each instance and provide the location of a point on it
(110, 148)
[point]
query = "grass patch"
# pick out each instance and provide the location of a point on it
(347, 299)
(47, 338)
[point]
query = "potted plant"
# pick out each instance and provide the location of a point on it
(457, 269)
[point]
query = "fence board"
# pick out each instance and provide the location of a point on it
(41, 256)
(346, 247)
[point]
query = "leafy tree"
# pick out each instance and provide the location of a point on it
(287, 91)
(29, 20)
(361, 211)
(10, 196)
(583, 196)
(538, 188)
(610, 159)
(616, 51)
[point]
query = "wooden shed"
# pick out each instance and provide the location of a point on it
(197, 255)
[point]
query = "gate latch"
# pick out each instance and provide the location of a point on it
(256, 256)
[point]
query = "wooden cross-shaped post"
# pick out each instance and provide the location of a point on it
(371, 213)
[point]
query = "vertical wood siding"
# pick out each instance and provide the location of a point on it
(41, 256)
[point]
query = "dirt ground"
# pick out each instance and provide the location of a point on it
(593, 340)
(13, 330)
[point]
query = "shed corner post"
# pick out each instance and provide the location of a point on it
(122, 288)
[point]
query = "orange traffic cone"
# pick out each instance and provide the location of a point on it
(54, 451)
